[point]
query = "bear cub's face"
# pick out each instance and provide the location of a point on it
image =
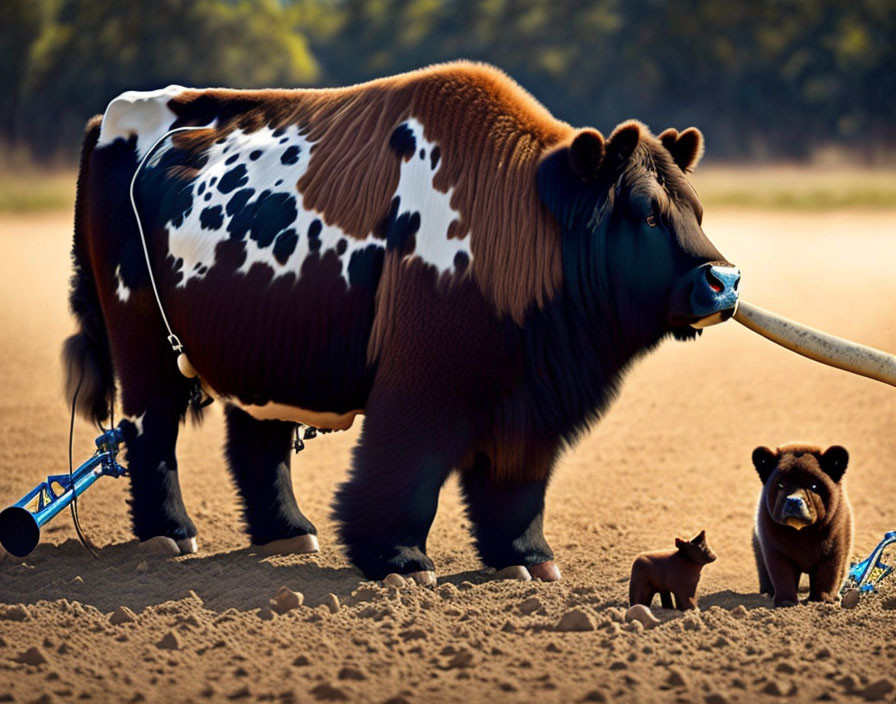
(802, 483)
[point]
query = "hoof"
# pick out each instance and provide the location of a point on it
(164, 546)
(297, 545)
(545, 571)
(517, 572)
(188, 546)
(425, 578)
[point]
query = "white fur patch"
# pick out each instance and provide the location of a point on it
(280, 160)
(137, 422)
(142, 113)
(122, 292)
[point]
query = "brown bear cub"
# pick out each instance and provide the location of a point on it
(670, 572)
(803, 521)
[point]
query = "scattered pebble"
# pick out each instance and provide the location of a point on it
(332, 603)
(876, 690)
(15, 612)
(142, 566)
(739, 611)
(122, 615)
(170, 641)
(643, 615)
(351, 673)
(531, 605)
(32, 656)
(464, 658)
(395, 580)
(328, 693)
(576, 620)
(850, 599)
(286, 600)
(676, 678)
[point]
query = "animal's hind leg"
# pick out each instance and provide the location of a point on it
(507, 519)
(386, 508)
(259, 452)
(157, 508)
(765, 582)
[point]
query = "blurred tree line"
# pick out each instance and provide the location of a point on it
(764, 79)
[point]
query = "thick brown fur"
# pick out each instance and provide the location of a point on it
(671, 573)
(492, 134)
(813, 533)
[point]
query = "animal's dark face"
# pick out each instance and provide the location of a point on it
(802, 484)
(696, 549)
(637, 237)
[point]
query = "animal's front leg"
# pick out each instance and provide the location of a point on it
(259, 453)
(785, 578)
(385, 509)
(507, 516)
(825, 580)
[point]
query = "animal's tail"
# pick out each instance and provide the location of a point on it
(86, 357)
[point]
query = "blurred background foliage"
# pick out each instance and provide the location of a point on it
(766, 80)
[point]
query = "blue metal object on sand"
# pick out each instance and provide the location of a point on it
(20, 523)
(868, 573)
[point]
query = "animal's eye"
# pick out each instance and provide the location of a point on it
(651, 220)
(814, 487)
(780, 485)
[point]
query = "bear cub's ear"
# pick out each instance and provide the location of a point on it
(586, 153)
(680, 543)
(699, 539)
(686, 148)
(833, 461)
(765, 461)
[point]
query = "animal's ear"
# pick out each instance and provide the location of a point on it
(679, 543)
(668, 137)
(833, 461)
(765, 461)
(623, 141)
(586, 153)
(686, 149)
(699, 538)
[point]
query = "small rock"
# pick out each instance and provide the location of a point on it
(328, 693)
(876, 690)
(142, 566)
(301, 661)
(32, 656)
(351, 673)
(462, 659)
(286, 600)
(739, 611)
(15, 612)
(395, 580)
(531, 605)
(122, 615)
(78, 579)
(643, 615)
(576, 620)
(850, 599)
(676, 678)
(170, 641)
(774, 689)
(332, 603)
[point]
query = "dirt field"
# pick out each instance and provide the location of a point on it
(671, 457)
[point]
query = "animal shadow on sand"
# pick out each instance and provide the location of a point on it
(124, 575)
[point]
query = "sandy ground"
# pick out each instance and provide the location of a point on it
(670, 458)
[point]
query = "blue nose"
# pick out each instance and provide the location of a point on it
(793, 506)
(706, 295)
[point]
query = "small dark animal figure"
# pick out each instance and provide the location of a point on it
(803, 521)
(671, 573)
